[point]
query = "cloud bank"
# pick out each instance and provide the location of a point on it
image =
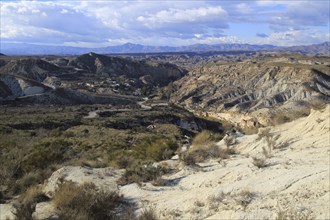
(173, 23)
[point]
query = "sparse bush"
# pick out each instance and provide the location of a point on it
(85, 132)
(159, 150)
(294, 214)
(245, 197)
(148, 214)
(159, 181)
(218, 197)
(29, 179)
(205, 138)
(87, 202)
(5, 129)
(55, 132)
(33, 134)
(27, 202)
(203, 153)
(199, 203)
(229, 140)
(189, 159)
(156, 148)
(128, 214)
(6, 173)
(45, 154)
(125, 161)
(69, 134)
(259, 162)
(264, 133)
(270, 140)
(142, 173)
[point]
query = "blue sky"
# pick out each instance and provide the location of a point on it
(172, 23)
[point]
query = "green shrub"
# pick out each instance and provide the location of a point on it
(29, 179)
(45, 154)
(87, 202)
(55, 132)
(155, 148)
(69, 134)
(142, 173)
(160, 150)
(125, 161)
(5, 129)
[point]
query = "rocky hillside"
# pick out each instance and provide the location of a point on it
(30, 68)
(158, 73)
(255, 87)
(323, 48)
(20, 90)
(59, 80)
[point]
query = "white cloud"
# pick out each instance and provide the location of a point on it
(162, 22)
(244, 8)
(45, 21)
(296, 14)
(192, 15)
(295, 37)
(64, 11)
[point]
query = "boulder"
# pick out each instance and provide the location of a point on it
(45, 210)
(104, 178)
(7, 212)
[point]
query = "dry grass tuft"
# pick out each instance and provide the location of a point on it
(206, 138)
(294, 214)
(87, 202)
(203, 153)
(218, 197)
(159, 181)
(148, 214)
(245, 197)
(27, 203)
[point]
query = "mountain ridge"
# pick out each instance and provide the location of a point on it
(34, 49)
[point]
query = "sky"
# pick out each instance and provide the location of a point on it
(96, 23)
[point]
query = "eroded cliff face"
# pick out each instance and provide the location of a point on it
(254, 91)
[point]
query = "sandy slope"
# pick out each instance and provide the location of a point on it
(296, 178)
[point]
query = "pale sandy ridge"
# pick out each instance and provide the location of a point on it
(296, 178)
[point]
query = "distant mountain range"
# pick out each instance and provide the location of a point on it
(33, 49)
